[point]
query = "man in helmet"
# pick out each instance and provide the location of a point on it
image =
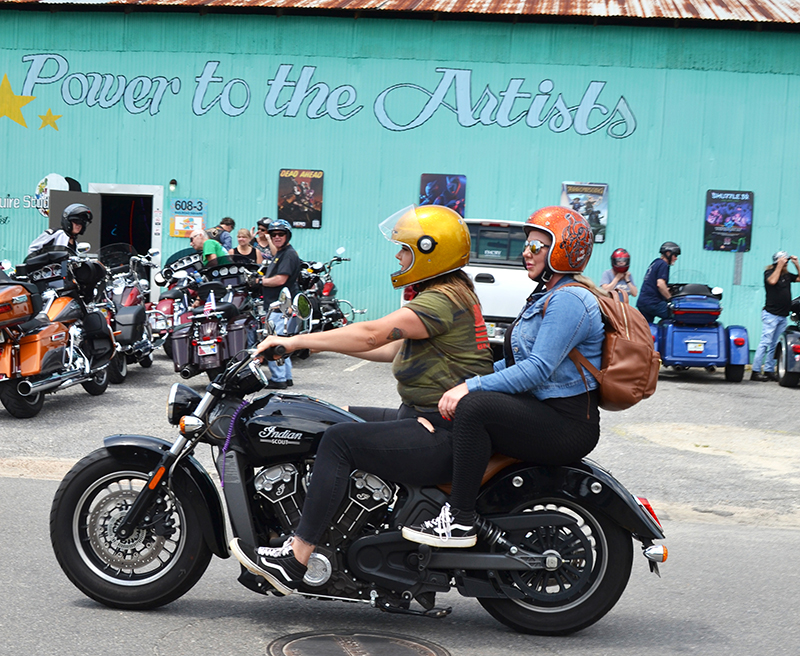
(74, 220)
(618, 276)
(283, 271)
(777, 283)
(652, 301)
(434, 342)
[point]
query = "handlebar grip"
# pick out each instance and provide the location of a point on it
(274, 351)
(119, 269)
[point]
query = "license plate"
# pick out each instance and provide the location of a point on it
(490, 329)
(695, 347)
(207, 348)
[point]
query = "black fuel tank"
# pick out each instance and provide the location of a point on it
(279, 426)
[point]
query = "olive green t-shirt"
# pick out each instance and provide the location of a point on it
(458, 348)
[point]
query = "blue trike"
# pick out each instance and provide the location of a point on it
(692, 335)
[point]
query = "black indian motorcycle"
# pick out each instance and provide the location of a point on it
(135, 523)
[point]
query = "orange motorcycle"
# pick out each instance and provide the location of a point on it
(51, 336)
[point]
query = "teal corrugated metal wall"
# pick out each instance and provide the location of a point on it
(714, 109)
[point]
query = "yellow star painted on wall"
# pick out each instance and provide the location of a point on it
(11, 104)
(50, 119)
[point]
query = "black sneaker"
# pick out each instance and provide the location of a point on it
(771, 375)
(757, 375)
(289, 382)
(442, 532)
(278, 565)
(277, 384)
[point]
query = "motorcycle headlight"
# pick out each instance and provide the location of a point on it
(182, 401)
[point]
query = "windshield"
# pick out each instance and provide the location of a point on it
(116, 255)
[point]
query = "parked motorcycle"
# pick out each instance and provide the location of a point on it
(787, 351)
(135, 523)
(51, 334)
(316, 282)
(125, 296)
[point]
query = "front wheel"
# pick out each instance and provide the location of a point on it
(785, 378)
(98, 383)
(21, 407)
(734, 373)
(158, 563)
(593, 559)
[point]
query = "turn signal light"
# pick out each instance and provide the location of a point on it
(657, 553)
(738, 341)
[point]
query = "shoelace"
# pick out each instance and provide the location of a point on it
(442, 523)
(277, 552)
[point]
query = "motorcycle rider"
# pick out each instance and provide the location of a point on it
(536, 406)
(778, 285)
(435, 341)
(74, 220)
(283, 271)
(618, 276)
(652, 301)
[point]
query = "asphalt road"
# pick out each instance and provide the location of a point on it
(720, 462)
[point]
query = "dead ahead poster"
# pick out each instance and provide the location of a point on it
(591, 200)
(300, 197)
(729, 221)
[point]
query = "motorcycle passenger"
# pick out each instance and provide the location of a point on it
(536, 405)
(652, 301)
(618, 276)
(778, 285)
(212, 250)
(244, 248)
(434, 342)
(283, 271)
(74, 220)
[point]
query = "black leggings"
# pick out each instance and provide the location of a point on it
(392, 445)
(519, 426)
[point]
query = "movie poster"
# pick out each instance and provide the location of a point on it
(591, 200)
(443, 189)
(300, 197)
(728, 221)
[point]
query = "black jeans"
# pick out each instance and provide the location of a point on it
(516, 425)
(392, 445)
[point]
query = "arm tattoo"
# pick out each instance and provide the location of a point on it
(395, 334)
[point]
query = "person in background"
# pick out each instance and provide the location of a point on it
(283, 271)
(778, 285)
(74, 220)
(262, 241)
(434, 342)
(223, 232)
(652, 301)
(245, 248)
(213, 253)
(618, 276)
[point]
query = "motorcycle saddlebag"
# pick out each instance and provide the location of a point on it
(695, 310)
(130, 324)
(18, 303)
(96, 339)
(236, 338)
(43, 351)
(180, 346)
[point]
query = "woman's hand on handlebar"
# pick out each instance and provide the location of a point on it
(273, 341)
(450, 399)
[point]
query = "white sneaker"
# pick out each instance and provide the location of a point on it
(442, 532)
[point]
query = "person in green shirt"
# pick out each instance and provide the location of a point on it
(213, 252)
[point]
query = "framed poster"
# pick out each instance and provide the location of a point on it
(443, 189)
(300, 197)
(591, 200)
(728, 224)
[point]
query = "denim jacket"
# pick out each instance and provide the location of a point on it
(541, 345)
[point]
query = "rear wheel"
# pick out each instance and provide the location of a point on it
(158, 563)
(21, 407)
(734, 373)
(98, 384)
(118, 368)
(785, 378)
(591, 567)
(167, 345)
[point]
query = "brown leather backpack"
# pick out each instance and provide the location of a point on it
(629, 365)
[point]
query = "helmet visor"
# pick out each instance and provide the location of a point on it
(403, 228)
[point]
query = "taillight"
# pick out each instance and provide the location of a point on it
(738, 341)
(5, 307)
(327, 289)
(646, 505)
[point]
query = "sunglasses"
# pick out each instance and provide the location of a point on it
(261, 229)
(277, 234)
(535, 245)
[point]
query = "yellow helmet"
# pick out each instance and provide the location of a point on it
(437, 237)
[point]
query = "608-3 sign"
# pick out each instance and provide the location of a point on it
(189, 206)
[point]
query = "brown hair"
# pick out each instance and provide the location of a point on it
(456, 285)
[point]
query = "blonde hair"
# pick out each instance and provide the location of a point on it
(456, 285)
(244, 232)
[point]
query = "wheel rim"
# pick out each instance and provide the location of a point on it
(142, 558)
(779, 364)
(122, 368)
(581, 552)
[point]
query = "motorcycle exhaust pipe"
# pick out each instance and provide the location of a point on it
(189, 370)
(67, 379)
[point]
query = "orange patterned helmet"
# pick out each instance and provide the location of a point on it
(572, 238)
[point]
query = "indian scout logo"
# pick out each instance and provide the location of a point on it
(272, 434)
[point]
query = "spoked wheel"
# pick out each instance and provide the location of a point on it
(118, 368)
(589, 564)
(98, 383)
(785, 378)
(158, 563)
(21, 407)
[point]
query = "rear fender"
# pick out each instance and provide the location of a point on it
(789, 339)
(738, 354)
(585, 483)
(195, 484)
